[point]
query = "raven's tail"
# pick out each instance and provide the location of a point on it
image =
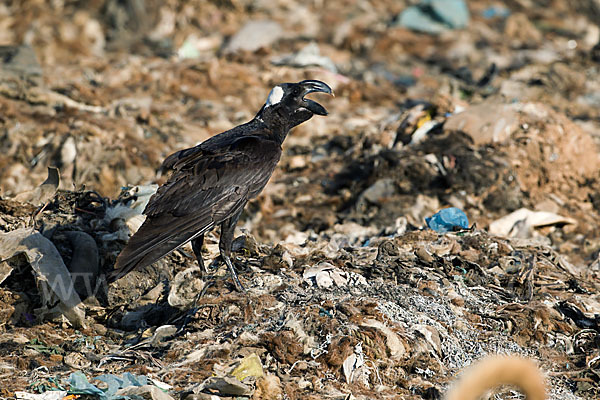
(156, 238)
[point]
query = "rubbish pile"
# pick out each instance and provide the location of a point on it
(446, 208)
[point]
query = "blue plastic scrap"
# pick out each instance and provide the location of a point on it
(448, 220)
(80, 385)
(495, 11)
(435, 16)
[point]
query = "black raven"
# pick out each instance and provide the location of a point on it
(211, 183)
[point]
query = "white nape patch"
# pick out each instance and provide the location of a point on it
(275, 96)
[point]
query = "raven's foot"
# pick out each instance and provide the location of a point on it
(236, 280)
(197, 247)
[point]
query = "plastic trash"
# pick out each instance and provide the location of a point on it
(117, 386)
(50, 271)
(309, 56)
(435, 16)
(249, 366)
(522, 222)
(448, 220)
(49, 395)
(495, 11)
(254, 35)
(80, 385)
(43, 193)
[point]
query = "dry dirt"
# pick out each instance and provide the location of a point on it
(349, 294)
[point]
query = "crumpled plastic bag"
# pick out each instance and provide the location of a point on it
(80, 385)
(118, 387)
(51, 273)
(327, 276)
(522, 222)
(448, 220)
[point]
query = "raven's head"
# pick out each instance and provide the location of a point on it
(287, 106)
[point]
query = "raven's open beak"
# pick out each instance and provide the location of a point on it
(311, 86)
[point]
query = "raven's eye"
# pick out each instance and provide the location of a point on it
(296, 91)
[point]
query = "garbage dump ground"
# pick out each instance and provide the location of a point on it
(489, 107)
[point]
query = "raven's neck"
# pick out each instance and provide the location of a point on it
(280, 121)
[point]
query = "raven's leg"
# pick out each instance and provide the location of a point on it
(197, 247)
(227, 229)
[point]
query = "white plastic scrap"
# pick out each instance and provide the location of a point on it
(50, 271)
(326, 275)
(143, 392)
(392, 340)
(49, 395)
(309, 56)
(142, 194)
(130, 219)
(354, 367)
(520, 223)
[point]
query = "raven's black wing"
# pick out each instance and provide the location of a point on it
(206, 187)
